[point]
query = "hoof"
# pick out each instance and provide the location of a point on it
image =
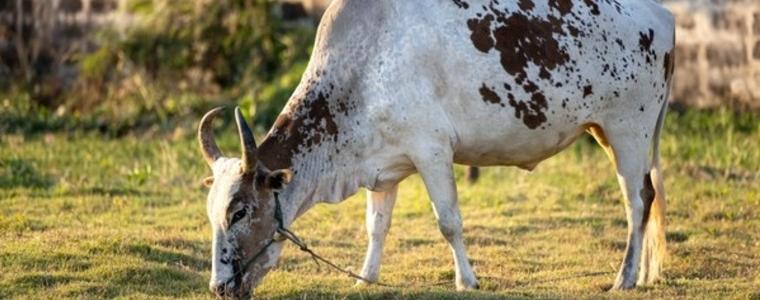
(361, 283)
(621, 286)
(468, 287)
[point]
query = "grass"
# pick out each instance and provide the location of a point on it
(82, 216)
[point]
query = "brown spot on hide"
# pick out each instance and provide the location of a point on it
(526, 5)
(666, 65)
(588, 91)
(522, 40)
(563, 6)
(645, 45)
(462, 4)
(620, 43)
(320, 111)
(594, 7)
(489, 95)
(573, 30)
(645, 40)
(481, 33)
(309, 124)
(530, 87)
(531, 112)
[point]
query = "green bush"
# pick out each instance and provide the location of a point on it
(176, 61)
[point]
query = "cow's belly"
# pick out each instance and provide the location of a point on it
(487, 145)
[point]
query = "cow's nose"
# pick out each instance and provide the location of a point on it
(218, 288)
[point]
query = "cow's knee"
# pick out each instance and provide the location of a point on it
(637, 210)
(451, 229)
(377, 227)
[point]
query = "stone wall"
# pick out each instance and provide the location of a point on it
(718, 53)
(63, 19)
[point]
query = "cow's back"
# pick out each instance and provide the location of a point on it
(503, 82)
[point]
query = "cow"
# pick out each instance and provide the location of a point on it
(401, 87)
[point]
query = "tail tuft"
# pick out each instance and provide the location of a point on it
(654, 246)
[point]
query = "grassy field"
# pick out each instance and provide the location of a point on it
(83, 216)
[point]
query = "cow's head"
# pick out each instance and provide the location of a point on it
(241, 208)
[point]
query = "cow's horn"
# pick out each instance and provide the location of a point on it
(248, 144)
(209, 148)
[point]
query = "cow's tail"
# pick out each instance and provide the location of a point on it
(653, 250)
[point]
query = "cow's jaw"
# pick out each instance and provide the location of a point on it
(222, 270)
(239, 284)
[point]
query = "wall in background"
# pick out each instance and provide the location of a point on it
(62, 20)
(718, 52)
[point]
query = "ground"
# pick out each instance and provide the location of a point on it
(84, 216)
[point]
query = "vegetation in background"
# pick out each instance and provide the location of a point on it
(30, 56)
(178, 59)
(87, 217)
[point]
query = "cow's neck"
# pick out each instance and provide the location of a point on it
(318, 139)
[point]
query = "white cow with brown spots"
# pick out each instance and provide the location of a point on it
(398, 87)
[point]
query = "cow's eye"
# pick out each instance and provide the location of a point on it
(238, 216)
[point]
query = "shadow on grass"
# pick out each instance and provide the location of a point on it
(42, 280)
(713, 262)
(111, 191)
(491, 287)
(154, 281)
(153, 254)
(162, 274)
(677, 236)
(415, 242)
(22, 173)
(568, 277)
(50, 262)
(98, 191)
(181, 243)
(358, 293)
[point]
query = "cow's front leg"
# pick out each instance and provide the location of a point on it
(379, 210)
(436, 169)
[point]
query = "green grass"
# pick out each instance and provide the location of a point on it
(82, 216)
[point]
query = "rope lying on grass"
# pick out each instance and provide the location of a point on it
(289, 235)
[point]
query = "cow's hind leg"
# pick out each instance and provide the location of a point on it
(436, 169)
(628, 151)
(379, 210)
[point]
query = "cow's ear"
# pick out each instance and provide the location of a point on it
(208, 181)
(278, 179)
